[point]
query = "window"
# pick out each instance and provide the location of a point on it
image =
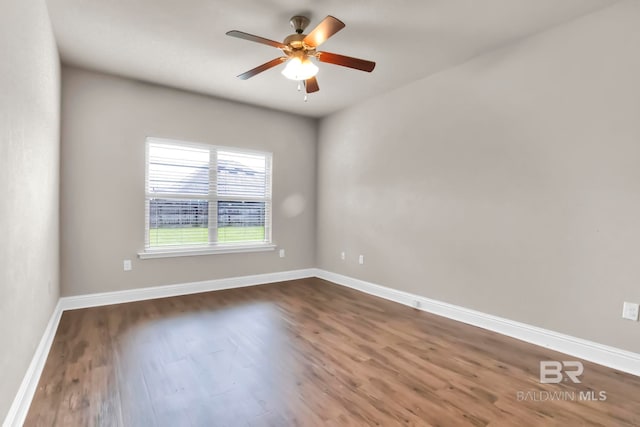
(204, 198)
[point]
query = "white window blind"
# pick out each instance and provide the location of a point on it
(206, 196)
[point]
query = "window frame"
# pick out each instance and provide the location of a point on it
(212, 247)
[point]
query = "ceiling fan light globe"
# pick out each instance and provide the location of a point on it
(298, 69)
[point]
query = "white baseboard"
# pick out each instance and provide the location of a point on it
(20, 406)
(130, 295)
(612, 357)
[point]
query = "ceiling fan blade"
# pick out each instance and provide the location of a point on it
(257, 39)
(311, 85)
(261, 68)
(346, 61)
(328, 27)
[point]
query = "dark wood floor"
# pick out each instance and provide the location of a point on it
(305, 352)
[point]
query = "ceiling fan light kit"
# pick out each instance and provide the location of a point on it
(300, 69)
(300, 48)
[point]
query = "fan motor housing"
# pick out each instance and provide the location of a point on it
(297, 46)
(295, 41)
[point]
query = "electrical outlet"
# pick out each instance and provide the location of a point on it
(282, 254)
(361, 260)
(126, 264)
(630, 311)
(343, 255)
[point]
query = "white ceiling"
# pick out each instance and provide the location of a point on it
(183, 43)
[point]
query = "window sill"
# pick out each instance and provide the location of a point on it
(195, 251)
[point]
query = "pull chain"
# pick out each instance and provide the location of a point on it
(300, 83)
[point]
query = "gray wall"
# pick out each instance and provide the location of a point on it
(29, 170)
(509, 185)
(105, 120)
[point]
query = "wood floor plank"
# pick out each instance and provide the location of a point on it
(306, 353)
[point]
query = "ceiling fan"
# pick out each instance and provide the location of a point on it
(299, 48)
